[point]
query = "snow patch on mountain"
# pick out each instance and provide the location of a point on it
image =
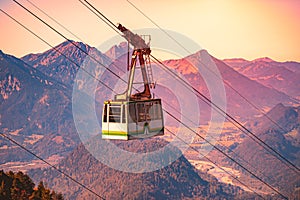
(44, 100)
(8, 85)
(33, 138)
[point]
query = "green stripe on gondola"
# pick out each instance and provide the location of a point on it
(121, 133)
(114, 133)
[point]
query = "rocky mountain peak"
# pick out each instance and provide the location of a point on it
(63, 61)
(263, 59)
(285, 118)
(284, 115)
(117, 51)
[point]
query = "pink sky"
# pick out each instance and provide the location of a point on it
(238, 28)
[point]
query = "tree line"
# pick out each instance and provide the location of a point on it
(19, 186)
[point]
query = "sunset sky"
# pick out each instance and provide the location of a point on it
(226, 28)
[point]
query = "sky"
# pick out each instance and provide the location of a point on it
(246, 29)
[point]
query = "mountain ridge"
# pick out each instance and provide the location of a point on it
(54, 64)
(40, 108)
(252, 90)
(282, 76)
(283, 137)
(176, 181)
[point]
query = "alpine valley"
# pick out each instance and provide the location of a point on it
(263, 95)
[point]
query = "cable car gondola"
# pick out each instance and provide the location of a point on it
(139, 115)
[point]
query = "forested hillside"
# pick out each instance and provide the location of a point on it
(20, 186)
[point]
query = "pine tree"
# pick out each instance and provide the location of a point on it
(27, 183)
(3, 193)
(43, 193)
(5, 185)
(55, 196)
(15, 190)
(37, 194)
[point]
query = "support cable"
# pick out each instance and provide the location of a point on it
(215, 163)
(228, 116)
(168, 113)
(49, 164)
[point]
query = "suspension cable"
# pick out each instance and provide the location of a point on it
(79, 48)
(215, 163)
(226, 82)
(56, 49)
(216, 107)
(201, 136)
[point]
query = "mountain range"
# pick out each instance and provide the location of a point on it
(240, 88)
(282, 76)
(36, 111)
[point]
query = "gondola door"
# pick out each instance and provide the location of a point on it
(143, 118)
(132, 119)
